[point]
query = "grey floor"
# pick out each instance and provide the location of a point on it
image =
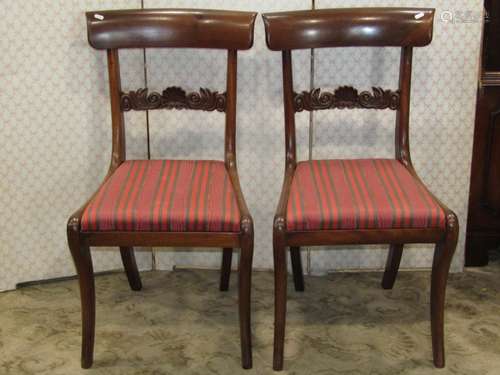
(181, 324)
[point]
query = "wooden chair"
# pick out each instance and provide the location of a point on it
(166, 202)
(366, 201)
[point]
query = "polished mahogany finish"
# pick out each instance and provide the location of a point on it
(405, 28)
(174, 28)
(483, 224)
(348, 27)
(111, 30)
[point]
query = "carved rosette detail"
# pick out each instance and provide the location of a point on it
(346, 97)
(173, 98)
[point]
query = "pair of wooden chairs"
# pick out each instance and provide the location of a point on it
(200, 203)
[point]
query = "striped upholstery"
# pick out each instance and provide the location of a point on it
(165, 195)
(359, 194)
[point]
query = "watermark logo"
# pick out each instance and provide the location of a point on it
(461, 16)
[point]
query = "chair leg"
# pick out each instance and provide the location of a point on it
(280, 296)
(83, 263)
(130, 265)
(392, 265)
(225, 270)
(443, 255)
(244, 293)
(298, 274)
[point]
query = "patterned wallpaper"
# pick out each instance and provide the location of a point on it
(441, 124)
(55, 127)
(55, 124)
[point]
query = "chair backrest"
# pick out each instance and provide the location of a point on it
(171, 28)
(350, 27)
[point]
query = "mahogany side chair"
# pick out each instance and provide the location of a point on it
(166, 202)
(361, 201)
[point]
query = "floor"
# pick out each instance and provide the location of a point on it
(181, 324)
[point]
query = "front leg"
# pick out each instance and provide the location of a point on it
(443, 255)
(280, 295)
(244, 293)
(83, 263)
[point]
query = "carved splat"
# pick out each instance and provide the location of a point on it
(346, 97)
(173, 98)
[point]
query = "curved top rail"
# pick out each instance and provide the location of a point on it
(346, 27)
(174, 28)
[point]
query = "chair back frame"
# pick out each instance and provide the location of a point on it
(350, 27)
(171, 28)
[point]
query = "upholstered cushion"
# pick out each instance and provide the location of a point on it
(359, 194)
(165, 195)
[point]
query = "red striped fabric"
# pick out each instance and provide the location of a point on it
(165, 195)
(359, 194)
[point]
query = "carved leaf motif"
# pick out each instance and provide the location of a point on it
(173, 98)
(346, 97)
(380, 99)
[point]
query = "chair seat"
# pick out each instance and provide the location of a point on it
(167, 196)
(359, 194)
